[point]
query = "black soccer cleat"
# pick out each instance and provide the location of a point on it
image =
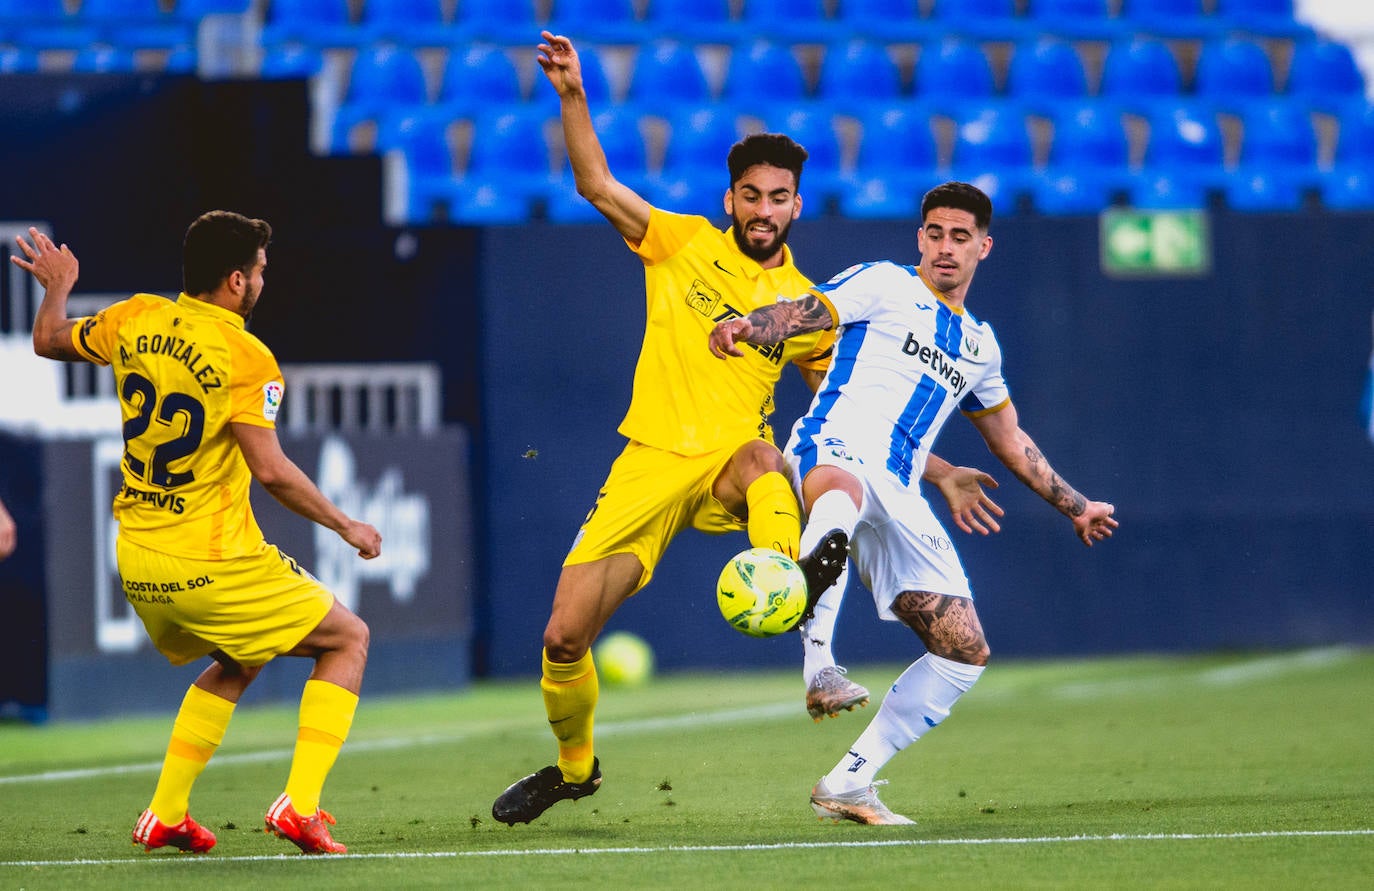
(822, 567)
(528, 798)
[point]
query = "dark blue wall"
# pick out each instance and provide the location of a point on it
(1219, 414)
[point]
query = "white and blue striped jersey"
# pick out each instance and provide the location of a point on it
(904, 358)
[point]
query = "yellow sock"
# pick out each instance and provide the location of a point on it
(774, 521)
(196, 733)
(326, 716)
(570, 694)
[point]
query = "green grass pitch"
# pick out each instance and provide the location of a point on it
(1222, 771)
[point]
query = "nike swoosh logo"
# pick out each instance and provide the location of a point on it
(724, 270)
(567, 717)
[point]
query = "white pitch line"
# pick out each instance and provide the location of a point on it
(708, 849)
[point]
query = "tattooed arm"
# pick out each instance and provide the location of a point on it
(1092, 520)
(771, 324)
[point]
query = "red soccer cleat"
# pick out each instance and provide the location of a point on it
(307, 833)
(188, 835)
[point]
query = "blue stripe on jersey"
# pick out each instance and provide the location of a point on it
(847, 347)
(920, 412)
(949, 329)
(842, 277)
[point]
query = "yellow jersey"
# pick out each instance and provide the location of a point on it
(684, 399)
(184, 371)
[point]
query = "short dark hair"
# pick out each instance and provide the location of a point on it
(960, 196)
(217, 243)
(773, 149)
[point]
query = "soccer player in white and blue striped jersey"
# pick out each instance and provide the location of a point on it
(907, 354)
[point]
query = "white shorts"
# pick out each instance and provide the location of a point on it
(898, 544)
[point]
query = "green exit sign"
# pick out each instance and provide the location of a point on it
(1160, 243)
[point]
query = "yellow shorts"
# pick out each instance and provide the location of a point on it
(251, 608)
(649, 497)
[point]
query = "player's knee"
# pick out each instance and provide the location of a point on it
(560, 646)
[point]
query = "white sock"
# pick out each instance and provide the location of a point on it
(833, 510)
(818, 633)
(920, 699)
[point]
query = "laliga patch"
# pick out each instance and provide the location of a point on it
(271, 399)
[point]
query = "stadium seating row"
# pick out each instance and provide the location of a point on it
(1093, 155)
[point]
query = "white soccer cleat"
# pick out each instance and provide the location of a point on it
(860, 806)
(830, 693)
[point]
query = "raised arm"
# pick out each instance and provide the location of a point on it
(771, 324)
(287, 483)
(618, 203)
(1001, 430)
(56, 270)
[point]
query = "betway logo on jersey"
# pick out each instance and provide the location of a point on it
(937, 361)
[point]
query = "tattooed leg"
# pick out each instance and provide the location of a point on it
(947, 625)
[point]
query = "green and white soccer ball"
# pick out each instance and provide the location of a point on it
(623, 659)
(761, 592)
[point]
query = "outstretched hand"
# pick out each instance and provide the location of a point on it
(973, 509)
(560, 63)
(727, 334)
(1095, 523)
(50, 264)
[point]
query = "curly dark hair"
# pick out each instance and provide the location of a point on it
(960, 196)
(774, 149)
(217, 243)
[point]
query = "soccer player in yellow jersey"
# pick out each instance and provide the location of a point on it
(700, 451)
(199, 397)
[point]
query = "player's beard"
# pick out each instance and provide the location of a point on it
(250, 300)
(759, 254)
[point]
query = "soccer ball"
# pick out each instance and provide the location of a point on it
(761, 592)
(623, 659)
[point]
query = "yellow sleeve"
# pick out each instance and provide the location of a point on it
(96, 337)
(256, 388)
(667, 234)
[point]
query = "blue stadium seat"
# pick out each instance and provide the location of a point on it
(1355, 139)
(409, 22)
(1265, 18)
(1174, 19)
(596, 21)
(195, 10)
(1278, 158)
(1140, 73)
(1060, 191)
(385, 80)
(698, 142)
(477, 77)
(763, 74)
(135, 24)
(982, 20)
(858, 72)
(622, 140)
(491, 202)
(1045, 74)
(182, 60)
(510, 22)
(17, 60)
(813, 126)
(880, 198)
(511, 148)
(897, 146)
(1254, 190)
(993, 150)
(667, 73)
(1184, 158)
(423, 139)
(951, 74)
(291, 61)
(787, 21)
(1323, 74)
(1077, 19)
(1232, 73)
(103, 59)
(1090, 135)
(886, 21)
(692, 21)
(325, 23)
(1348, 189)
